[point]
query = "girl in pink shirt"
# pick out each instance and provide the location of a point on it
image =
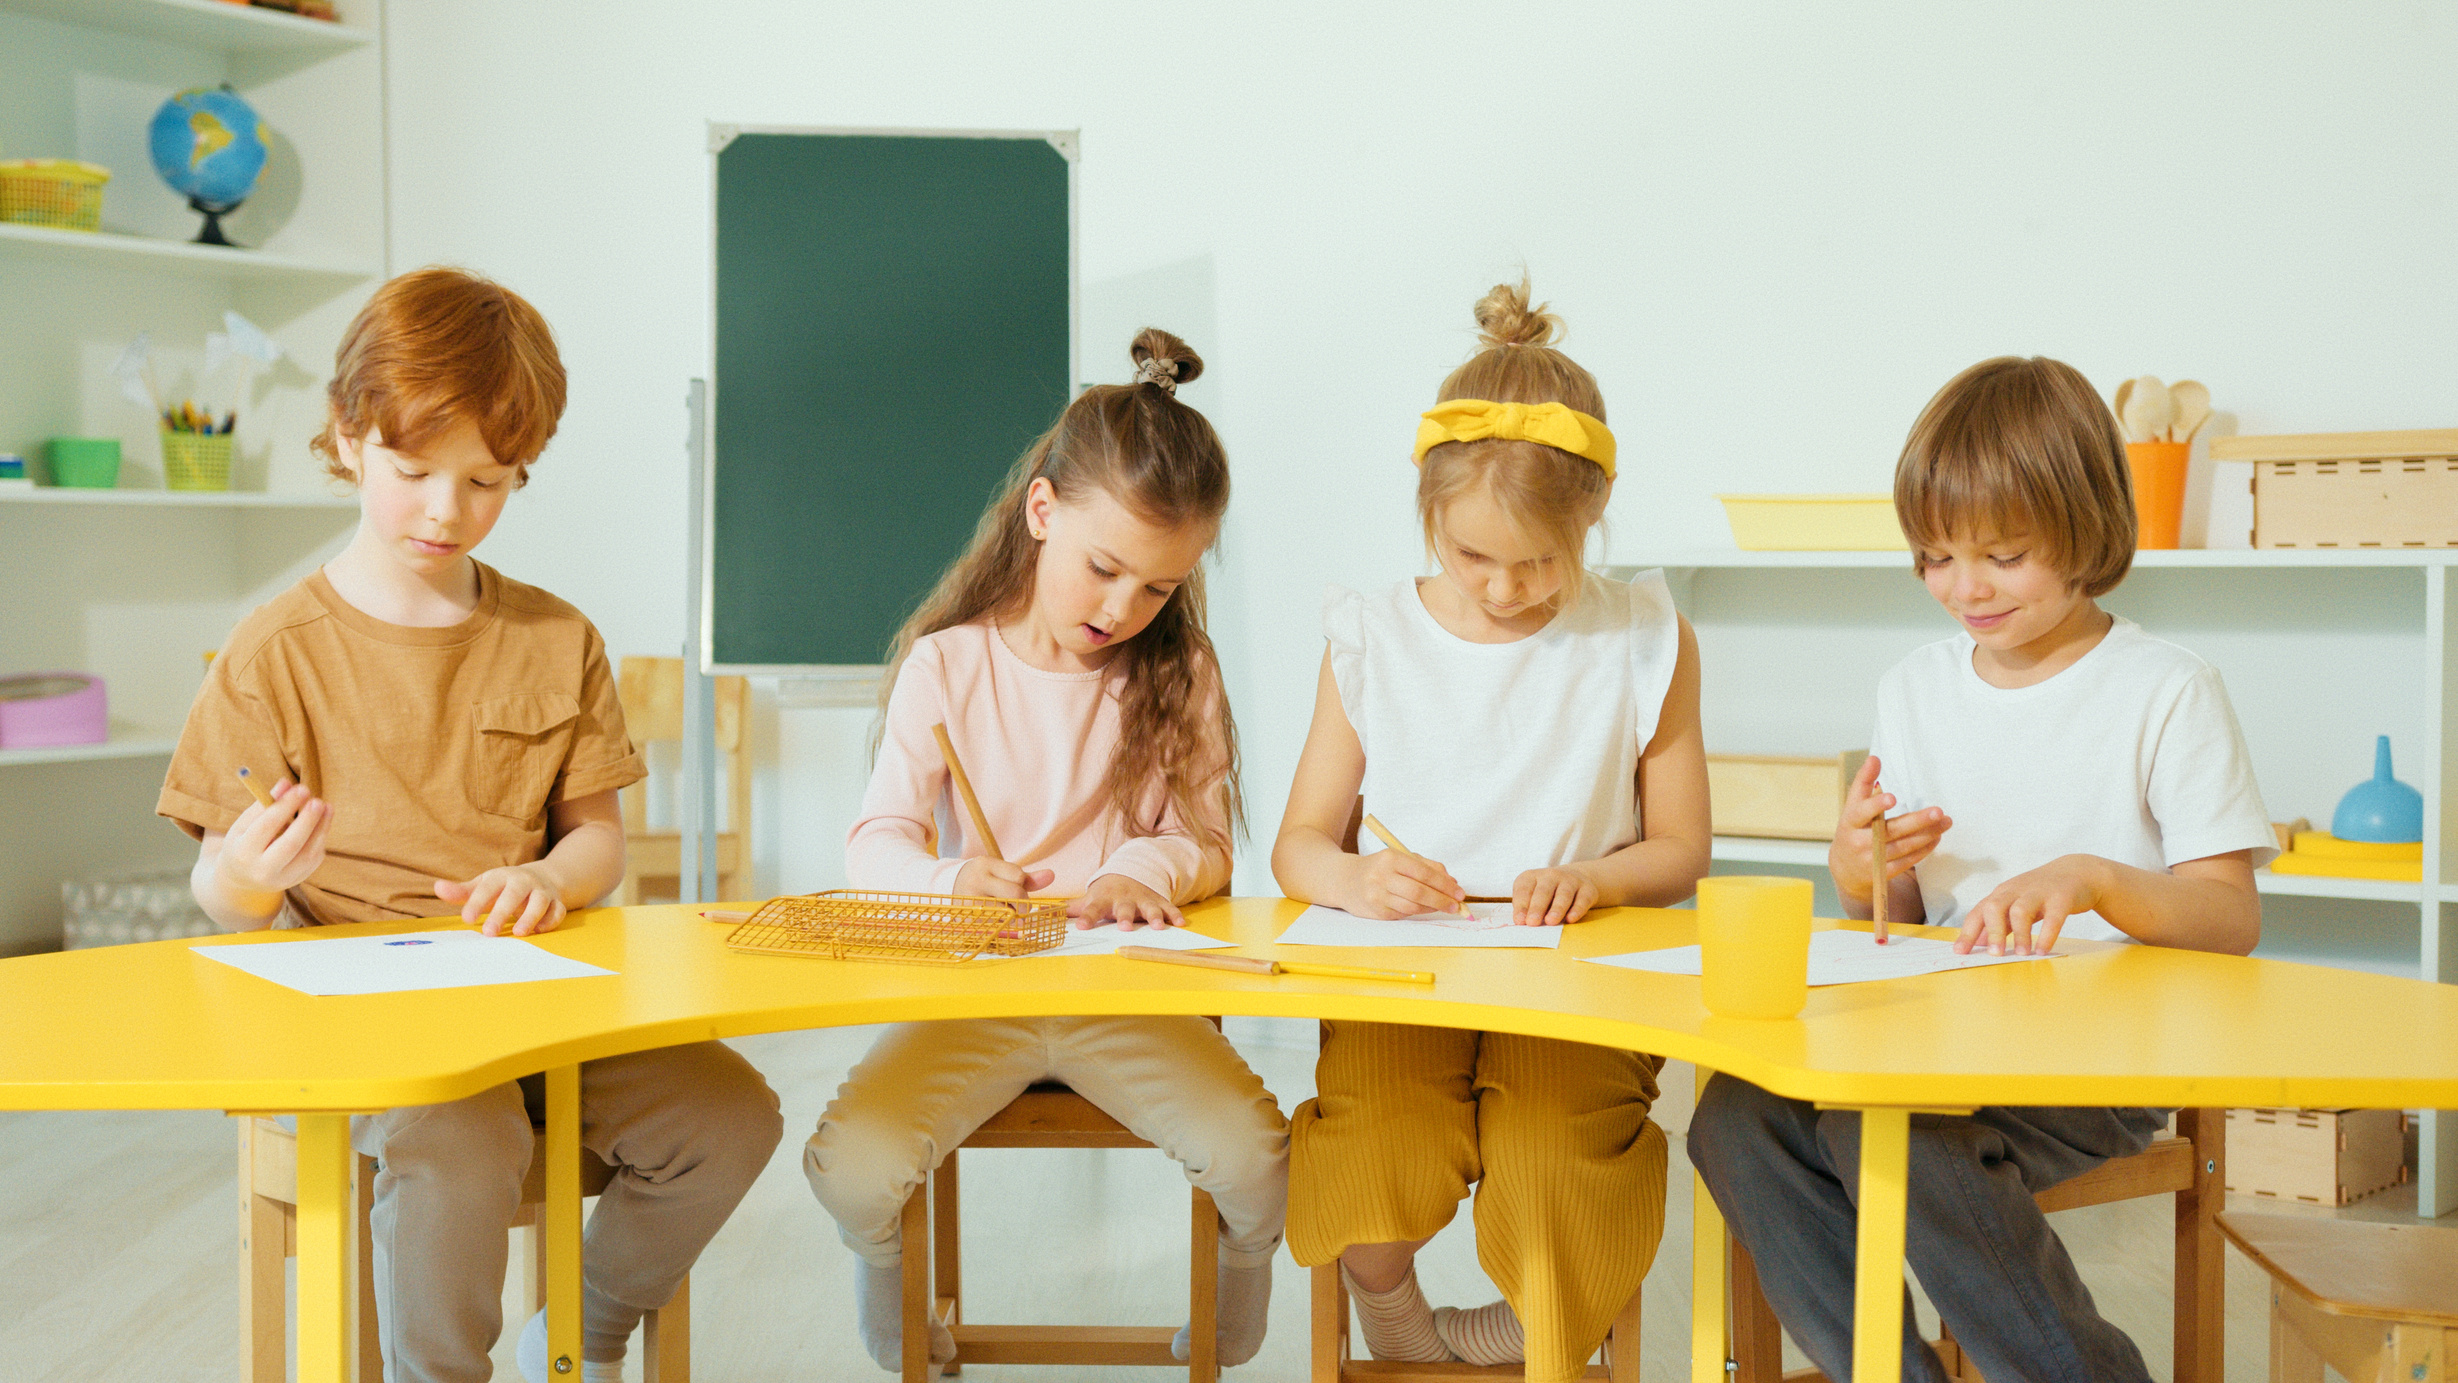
(1066, 654)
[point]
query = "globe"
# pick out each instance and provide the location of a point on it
(209, 145)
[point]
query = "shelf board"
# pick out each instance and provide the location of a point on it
(126, 742)
(174, 499)
(1734, 558)
(171, 256)
(207, 24)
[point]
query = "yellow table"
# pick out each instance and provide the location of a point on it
(152, 1027)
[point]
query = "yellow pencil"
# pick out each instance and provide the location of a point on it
(1383, 833)
(256, 789)
(1877, 868)
(1257, 965)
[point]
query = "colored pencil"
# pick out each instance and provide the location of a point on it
(256, 789)
(1877, 870)
(964, 789)
(1255, 965)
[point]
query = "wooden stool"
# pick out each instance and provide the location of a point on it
(1332, 1363)
(1048, 1115)
(268, 1234)
(2371, 1301)
(2191, 1165)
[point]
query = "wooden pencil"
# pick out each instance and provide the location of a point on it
(1877, 871)
(964, 789)
(255, 789)
(1255, 965)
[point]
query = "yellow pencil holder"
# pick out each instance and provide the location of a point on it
(1753, 942)
(196, 460)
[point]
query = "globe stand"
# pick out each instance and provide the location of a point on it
(213, 213)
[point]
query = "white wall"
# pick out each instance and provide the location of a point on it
(1773, 234)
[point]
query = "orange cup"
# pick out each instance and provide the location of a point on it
(2159, 490)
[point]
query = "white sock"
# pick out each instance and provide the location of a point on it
(1243, 1303)
(1487, 1334)
(530, 1356)
(879, 1307)
(1398, 1326)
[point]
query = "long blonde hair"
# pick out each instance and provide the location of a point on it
(1549, 494)
(1162, 461)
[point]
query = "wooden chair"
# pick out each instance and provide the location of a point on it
(268, 1234)
(1046, 1115)
(652, 695)
(2190, 1165)
(2375, 1302)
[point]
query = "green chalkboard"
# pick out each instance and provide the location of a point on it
(892, 331)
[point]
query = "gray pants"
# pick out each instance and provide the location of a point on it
(1787, 1174)
(686, 1128)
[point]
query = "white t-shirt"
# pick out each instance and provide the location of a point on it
(2131, 754)
(1499, 758)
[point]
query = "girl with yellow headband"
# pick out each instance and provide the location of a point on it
(1532, 728)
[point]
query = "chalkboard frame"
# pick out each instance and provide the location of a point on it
(832, 683)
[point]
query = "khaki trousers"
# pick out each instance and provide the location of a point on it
(1555, 1136)
(686, 1128)
(1175, 1082)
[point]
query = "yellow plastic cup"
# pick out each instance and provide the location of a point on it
(1753, 940)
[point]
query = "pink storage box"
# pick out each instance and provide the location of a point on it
(40, 709)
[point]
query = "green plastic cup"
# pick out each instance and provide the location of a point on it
(88, 463)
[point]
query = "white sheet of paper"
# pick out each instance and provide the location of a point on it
(1838, 958)
(399, 962)
(1105, 940)
(1484, 924)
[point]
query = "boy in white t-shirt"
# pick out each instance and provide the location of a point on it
(2060, 772)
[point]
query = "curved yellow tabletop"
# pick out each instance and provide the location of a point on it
(152, 1026)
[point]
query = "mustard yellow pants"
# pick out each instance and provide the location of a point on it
(1555, 1135)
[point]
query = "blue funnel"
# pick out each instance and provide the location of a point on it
(2381, 809)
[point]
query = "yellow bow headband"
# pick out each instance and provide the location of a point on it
(1547, 424)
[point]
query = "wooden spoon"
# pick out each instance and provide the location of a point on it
(2125, 391)
(2149, 411)
(2192, 399)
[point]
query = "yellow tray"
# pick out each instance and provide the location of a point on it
(2396, 871)
(2323, 845)
(1814, 523)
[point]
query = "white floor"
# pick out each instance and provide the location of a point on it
(118, 1251)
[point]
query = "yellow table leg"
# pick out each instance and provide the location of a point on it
(326, 1207)
(1877, 1306)
(563, 1221)
(1710, 1346)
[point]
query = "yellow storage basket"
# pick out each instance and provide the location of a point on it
(57, 192)
(1814, 523)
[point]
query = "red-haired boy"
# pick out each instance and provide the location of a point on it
(442, 735)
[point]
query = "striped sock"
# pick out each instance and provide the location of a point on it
(1487, 1334)
(1398, 1325)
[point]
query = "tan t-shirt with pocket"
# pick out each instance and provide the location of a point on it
(439, 749)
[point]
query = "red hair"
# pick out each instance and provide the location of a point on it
(437, 347)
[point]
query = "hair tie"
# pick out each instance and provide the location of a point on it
(1152, 369)
(1547, 424)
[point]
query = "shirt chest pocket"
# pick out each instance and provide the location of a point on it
(522, 744)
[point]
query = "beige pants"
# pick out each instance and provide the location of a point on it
(686, 1128)
(1175, 1082)
(1555, 1136)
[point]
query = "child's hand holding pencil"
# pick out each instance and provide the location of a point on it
(1864, 831)
(276, 844)
(1397, 882)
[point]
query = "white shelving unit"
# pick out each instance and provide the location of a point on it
(2321, 649)
(133, 584)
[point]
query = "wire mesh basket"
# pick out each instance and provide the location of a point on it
(914, 928)
(57, 192)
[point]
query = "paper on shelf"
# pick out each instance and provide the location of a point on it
(1838, 957)
(1483, 924)
(1108, 937)
(398, 962)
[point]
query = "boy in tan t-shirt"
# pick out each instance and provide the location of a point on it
(442, 737)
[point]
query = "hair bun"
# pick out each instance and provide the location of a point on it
(1163, 359)
(1505, 319)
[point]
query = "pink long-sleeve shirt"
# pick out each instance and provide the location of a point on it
(1035, 745)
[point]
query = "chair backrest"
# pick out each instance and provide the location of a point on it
(652, 694)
